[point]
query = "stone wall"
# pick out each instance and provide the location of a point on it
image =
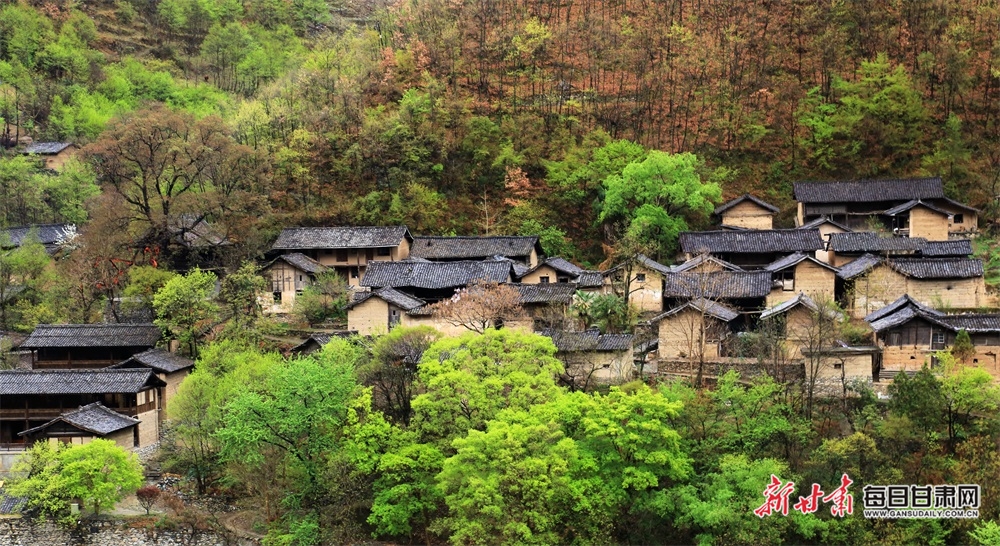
(21, 532)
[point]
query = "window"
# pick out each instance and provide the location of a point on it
(277, 297)
(938, 338)
(837, 365)
(341, 254)
(787, 280)
(383, 251)
(959, 219)
(640, 277)
(300, 278)
(563, 279)
(544, 279)
(298, 292)
(354, 272)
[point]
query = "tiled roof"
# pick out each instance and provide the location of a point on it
(589, 340)
(800, 299)
(718, 285)
(559, 292)
(702, 258)
(48, 234)
(710, 308)
(101, 381)
(193, 231)
(46, 148)
(972, 322)
(560, 264)
(763, 241)
(793, 259)
(899, 209)
(340, 237)
(302, 263)
(938, 268)
(157, 359)
(465, 248)
(92, 335)
(94, 418)
(958, 205)
(903, 301)
(859, 266)
(867, 191)
(891, 320)
(953, 247)
(746, 197)
(405, 302)
(433, 275)
(590, 279)
(820, 221)
(869, 241)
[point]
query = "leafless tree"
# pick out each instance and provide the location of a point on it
(481, 305)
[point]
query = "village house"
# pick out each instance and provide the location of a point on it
(88, 345)
(346, 249)
(547, 305)
(918, 219)
(49, 235)
(871, 282)
(909, 333)
(86, 423)
(592, 358)
(523, 249)
(862, 204)
(551, 270)
(172, 368)
(434, 281)
(746, 212)
(800, 273)
(826, 227)
(33, 398)
(642, 278)
(744, 291)
(695, 330)
(843, 248)
(311, 344)
(750, 249)
(803, 325)
(53, 154)
(289, 275)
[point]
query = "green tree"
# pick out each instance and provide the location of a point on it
(144, 281)
(100, 473)
(239, 292)
(183, 306)
(21, 273)
(324, 299)
(392, 369)
(36, 476)
(658, 197)
(962, 349)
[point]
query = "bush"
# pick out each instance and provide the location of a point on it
(147, 496)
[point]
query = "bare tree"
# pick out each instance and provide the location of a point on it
(817, 333)
(481, 305)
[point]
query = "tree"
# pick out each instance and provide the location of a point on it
(323, 299)
(818, 336)
(392, 369)
(183, 306)
(481, 305)
(147, 495)
(21, 270)
(962, 349)
(239, 292)
(658, 196)
(144, 282)
(37, 478)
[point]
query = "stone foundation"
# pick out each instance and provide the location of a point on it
(22, 532)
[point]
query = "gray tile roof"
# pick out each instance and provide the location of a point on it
(301, 262)
(746, 197)
(93, 418)
(46, 148)
(953, 247)
(589, 340)
(869, 241)
(710, 308)
(763, 241)
(901, 316)
(972, 322)
(905, 207)
(559, 292)
(48, 234)
(561, 264)
(794, 259)
(470, 248)
(800, 299)
(702, 258)
(903, 301)
(859, 266)
(938, 268)
(820, 221)
(867, 191)
(157, 359)
(101, 381)
(340, 237)
(590, 279)
(433, 275)
(957, 204)
(92, 335)
(402, 300)
(718, 285)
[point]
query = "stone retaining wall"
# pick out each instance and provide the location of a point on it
(22, 532)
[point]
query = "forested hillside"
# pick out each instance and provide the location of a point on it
(476, 117)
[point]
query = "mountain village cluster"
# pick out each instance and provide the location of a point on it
(891, 259)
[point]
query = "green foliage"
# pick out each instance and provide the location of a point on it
(240, 292)
(962, 349)
(144, 282)
(183, 306)
(323, 299)
(657, 197)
